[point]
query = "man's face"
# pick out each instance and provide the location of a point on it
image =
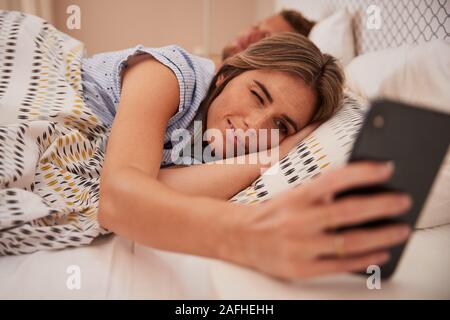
(269, 26)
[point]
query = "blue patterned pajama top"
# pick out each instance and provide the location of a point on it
(101, 79)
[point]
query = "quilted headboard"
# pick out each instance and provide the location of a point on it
(380, 24)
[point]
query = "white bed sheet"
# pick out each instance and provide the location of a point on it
(115, 268)
(111, 268)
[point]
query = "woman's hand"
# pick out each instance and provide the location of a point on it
(278, 152)
(290, 142)
(289, 236)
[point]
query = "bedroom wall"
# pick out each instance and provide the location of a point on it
(42, 8)
(116, 24)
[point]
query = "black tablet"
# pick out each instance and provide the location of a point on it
(416, 140)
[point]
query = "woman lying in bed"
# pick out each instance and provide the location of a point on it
(282, 84)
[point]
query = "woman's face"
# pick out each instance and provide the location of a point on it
(259, 100)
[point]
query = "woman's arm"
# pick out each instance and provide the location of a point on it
(140, 208)
(224, 180)
(133, 203)
(220, 181)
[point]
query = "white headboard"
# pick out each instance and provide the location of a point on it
(402, 21)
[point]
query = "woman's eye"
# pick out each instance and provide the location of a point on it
(282, 127)
(257, 96)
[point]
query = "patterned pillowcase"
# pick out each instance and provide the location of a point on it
(327, 147)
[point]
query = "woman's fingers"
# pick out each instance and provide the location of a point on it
(354, 210)
(360, 174)
(331, 266)
(303, 133)
(296, 223)
(362, 241)
(290, 142)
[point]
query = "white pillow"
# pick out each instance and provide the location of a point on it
(334, 35)
(415, 74)
(327, 147)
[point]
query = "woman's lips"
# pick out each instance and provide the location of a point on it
(236, 138)
(230, 125)
(231, 129)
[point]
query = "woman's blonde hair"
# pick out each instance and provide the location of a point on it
(288, 52)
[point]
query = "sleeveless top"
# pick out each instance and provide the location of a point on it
(101, 80)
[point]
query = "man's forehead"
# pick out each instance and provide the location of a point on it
(275, 23)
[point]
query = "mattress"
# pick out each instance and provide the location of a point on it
(115, 268)
(111, 268)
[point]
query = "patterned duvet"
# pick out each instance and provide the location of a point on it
(51, 144)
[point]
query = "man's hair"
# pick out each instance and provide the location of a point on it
(292, 53)
(297, 21)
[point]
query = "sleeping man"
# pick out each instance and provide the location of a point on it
(284, 21)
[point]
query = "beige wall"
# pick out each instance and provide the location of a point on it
(108, 25)
(42, 8)
(200, 26)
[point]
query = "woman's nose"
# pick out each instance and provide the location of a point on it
(257, 120)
